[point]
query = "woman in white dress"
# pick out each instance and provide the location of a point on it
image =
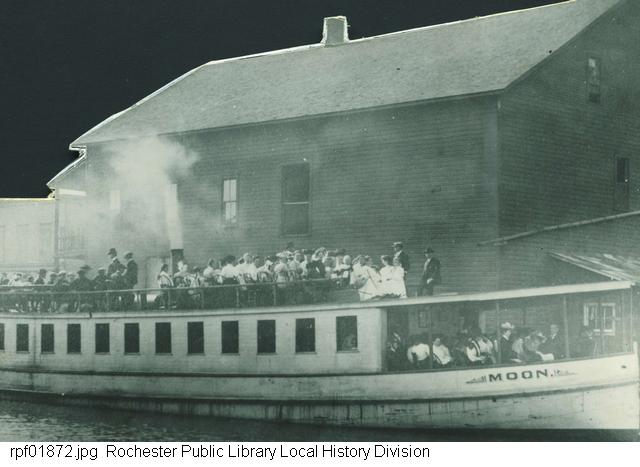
(372, 286)
(392, 277)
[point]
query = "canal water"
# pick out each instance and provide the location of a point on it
(27, 421)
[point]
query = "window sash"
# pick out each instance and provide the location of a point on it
(229, 333)
(305, 335)
(102, 338)
(74, 342)
(230, 200)
(131, 338)
(595, 316)
(47, 342)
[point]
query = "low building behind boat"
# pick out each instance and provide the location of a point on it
(27, 234)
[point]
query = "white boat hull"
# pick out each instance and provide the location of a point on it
(584, 394)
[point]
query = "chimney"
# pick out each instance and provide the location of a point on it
(335, 31)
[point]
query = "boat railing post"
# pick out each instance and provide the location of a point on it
(237, 295)
(167, 305)
(139, 294)
(565, 325)
(631, 332)
(430, 334)
(600, 313)
(108, 301)
(498, 336)
(275, 294)
(201, 297)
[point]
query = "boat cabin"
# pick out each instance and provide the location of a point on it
(84, 334)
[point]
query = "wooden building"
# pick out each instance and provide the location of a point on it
(27, 228)
(447, 136)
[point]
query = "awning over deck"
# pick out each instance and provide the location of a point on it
(618, 268)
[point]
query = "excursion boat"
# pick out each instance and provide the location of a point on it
(185, 352)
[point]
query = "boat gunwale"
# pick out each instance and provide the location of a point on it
(321, 401)
(25, 369)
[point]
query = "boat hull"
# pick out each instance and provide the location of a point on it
(585, 394)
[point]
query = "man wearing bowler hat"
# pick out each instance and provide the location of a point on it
(430, 273)
(115, 265)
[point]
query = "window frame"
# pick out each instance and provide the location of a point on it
(195, 346)
(260, 339)
(77, 326)
(284, 203)
(236, 339)
(594, 86)
(126, 338)
(100, 350)
(224, 203)
(157, 326)
(299, 323)
(621, 189)
(52, 348)
(19, 327)
(338, 336)
(600, 316)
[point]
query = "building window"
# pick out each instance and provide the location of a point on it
(600, 318)
(163, 337)
(295, 199)
(114, 201)
(22, 338)
(102, 338)
(131, 338)
(46, 338)
(306, 335)
(73, 338)
(195, 337)
(267, 336)
(230, 337)
(593, 79)
(622, 176)
(230, 200)
(1, 336)
(346, 333)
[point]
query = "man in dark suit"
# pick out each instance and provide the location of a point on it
(401, 256)
(114, 265)
(430, 273)
(554, 343)
(129, 280)
(131, 271)
(506, 344)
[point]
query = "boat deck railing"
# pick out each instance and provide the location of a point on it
(50, 299)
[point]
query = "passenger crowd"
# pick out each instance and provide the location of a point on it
(471, 347)
(291, 265)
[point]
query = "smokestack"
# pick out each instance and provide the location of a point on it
(335, 31)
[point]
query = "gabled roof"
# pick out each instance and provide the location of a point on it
(463, 58)
(614, 267)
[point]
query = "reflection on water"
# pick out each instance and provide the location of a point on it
(26, 421)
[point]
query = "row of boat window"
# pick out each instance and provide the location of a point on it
(305, 337)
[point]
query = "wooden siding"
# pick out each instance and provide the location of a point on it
(422, 174)
(557, 149)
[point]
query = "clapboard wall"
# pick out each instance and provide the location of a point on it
(557, 147)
